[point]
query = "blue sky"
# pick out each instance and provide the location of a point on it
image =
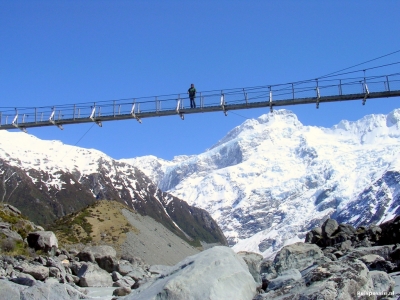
(65, 52)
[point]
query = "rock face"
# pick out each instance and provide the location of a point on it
(217, 273)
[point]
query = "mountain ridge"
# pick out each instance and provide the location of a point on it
(47, 180)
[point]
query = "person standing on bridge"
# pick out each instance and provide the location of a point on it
(192, 95)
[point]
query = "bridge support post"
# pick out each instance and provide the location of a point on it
(293, 90)
(223, 103)
(318, 94)
(133, 112)
(15, 122)
(93, 115)
(387, 83)
(51, 119)
(366, 93)
(178, 105)
(158, 105)
(270, 100)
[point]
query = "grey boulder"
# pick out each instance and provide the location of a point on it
(42, 240)
(51, 291)
(124, 267)
(297, 256)
(253, 261)
(333, 280)
(91, 275)
(122, 291)
(383, 283)
(10, 290)
(38, 272)
(287, 277)
(216, 273)
(124, 282)
(5, 229)
(102, 250)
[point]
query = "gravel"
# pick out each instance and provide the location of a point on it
(155, 244)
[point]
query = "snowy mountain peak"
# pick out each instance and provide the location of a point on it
(278, 119)
(282, 115)
(366, 124)
(393, 119)
(272, 179)
(372, 128)
(29, 152)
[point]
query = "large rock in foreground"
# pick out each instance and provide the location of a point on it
(217, 273)
(39, 290)
(342, 279)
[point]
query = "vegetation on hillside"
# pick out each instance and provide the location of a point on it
(99, 223)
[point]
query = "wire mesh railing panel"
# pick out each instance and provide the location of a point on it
(393, 82)
(349, 88)
(209, 100)
(329, 90)
(395, 85)
(376, 86)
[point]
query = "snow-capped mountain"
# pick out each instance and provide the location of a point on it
(272, 179)
(47, 180)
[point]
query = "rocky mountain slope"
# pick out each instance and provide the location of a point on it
(337, 261)
(47, 180)
(272, 179)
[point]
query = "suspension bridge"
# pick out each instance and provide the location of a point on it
(315, 91)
